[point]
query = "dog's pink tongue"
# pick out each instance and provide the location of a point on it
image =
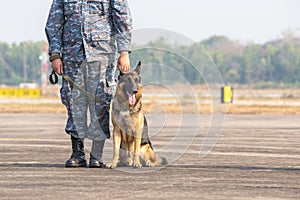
(132, 99)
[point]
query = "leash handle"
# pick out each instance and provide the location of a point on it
(53, 78)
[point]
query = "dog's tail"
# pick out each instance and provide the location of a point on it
(159, 161)
(162, 161)
(150, 158)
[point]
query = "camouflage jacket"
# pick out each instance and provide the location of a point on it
(88, 29)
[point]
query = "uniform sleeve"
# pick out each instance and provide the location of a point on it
(54, 26)
(122, 21)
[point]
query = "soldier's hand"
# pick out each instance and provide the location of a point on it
(57, 66)
(124, 62)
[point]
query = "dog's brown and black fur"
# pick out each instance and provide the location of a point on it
(131, 142)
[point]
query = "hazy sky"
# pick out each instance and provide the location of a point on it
(243, 20)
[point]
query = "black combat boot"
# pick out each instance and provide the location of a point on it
(96, 155)
(77, 158)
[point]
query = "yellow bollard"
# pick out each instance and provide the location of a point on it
(226, 94)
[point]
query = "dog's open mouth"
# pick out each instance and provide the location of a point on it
(131, 99)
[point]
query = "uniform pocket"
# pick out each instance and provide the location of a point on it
(103, 35)
(97, 7)
(71, 7)
(101, 43)
(110, 75)
(111, 82)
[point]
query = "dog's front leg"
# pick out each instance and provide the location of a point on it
(130, 152)
(137, 148)
(117, 143)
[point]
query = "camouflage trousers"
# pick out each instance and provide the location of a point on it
(88, 118)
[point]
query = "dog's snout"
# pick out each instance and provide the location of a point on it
(135, 89)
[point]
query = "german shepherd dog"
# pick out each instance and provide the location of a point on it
(131, 143)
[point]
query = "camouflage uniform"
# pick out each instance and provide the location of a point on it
(87, 34)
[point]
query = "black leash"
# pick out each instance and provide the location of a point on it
(53, 79)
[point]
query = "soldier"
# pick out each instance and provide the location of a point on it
(84, 38)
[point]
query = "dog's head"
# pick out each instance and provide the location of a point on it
(131, 86)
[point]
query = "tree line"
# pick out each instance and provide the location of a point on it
(20, 63)
(270, 65)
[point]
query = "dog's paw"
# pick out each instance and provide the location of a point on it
(111, 165)
(129, 162)
(149, 163)
(137, 165)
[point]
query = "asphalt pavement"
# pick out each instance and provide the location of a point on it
(255, 157)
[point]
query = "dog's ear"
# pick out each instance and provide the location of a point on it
(138, 67)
